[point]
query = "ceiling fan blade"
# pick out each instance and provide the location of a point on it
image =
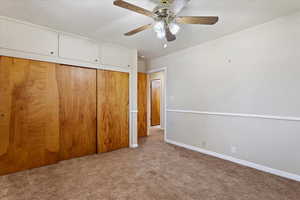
(135, 31)
(197, 20)
(132, 7)
(170, 37)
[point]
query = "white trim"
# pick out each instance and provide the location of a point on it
(156, 70)
(131, 114)
(272, 117)
(114, 68)
(158, 126)
(134, 146)
(44, 58)
(134, 111)
(238, 161)
(59, 60)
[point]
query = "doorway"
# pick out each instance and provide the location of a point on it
(155, 102)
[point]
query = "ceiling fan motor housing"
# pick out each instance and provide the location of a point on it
(163, 13)
(164, 1)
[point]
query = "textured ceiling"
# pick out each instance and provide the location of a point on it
(100, 20)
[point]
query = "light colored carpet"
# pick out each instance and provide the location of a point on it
(155, 171)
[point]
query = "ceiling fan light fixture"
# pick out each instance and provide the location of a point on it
(174, 28)
(159, 28)
(161, 35)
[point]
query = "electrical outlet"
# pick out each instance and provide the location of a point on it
(233, 149)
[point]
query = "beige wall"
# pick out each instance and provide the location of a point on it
(256, 71)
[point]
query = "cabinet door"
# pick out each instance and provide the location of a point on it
(142, 104)
(21, 37)
(78, 49)
(116, 56)
(29, 114)
(113, 110)
(78, 112)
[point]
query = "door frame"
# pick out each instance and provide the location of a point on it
(163, 100)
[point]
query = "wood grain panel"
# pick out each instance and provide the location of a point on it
(78, 112)
(142, 104)
(155, 102)
(113, 110)
(29, 114)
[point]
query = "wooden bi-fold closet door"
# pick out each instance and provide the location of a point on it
(29, 114)
(78, 112)
(142, 104)
(113, 110)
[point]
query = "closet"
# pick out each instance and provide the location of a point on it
(51, 112)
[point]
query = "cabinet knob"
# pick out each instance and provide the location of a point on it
(96, 60)
(51, 52)
(2, 115)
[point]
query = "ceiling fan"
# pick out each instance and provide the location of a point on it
(166, 22)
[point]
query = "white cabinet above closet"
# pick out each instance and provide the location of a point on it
(29, 41)
(27, 38)
(117, 56)
(77, 48)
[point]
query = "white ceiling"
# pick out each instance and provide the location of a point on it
(100, 20)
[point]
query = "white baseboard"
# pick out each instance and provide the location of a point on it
(134, 146)
(239, 161)
(157, 126)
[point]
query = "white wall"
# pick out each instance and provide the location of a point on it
(256, 71)
(142, 65)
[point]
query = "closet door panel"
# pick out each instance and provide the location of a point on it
(142, 104)
(29, 114)
(78, 112)
(113, 110)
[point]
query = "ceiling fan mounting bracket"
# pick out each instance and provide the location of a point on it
(164, 1)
